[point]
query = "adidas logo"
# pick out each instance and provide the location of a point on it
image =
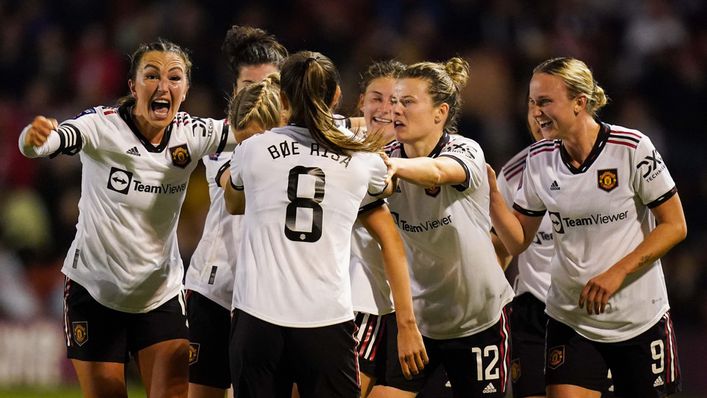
(133, 151)
(554, 186)
(658, 382)
(490, 389)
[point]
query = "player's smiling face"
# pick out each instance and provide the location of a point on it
(414, 113)
(377, 106)
(159, 88)
(550, 107)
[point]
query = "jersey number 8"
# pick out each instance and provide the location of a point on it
(298, 202)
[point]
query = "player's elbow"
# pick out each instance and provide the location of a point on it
(234, 201)
(681, 231)
(235, 209)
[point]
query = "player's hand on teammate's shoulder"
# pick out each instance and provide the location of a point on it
(493, 187)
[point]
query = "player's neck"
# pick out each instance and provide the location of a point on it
(424, 146)
(579, 143)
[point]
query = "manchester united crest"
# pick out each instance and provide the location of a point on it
(79, 331)
(607, 179)
(193, 353)
(515, 370)
(556, 357)
(180, 155)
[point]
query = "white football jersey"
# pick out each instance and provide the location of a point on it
(600, 212)
(369, 286)
(534, 262)
(458, 288)
(301, 204)
(125, 251)
(212, 265)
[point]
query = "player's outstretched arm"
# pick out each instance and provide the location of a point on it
(515, 230)
(411, 349)
(34, 139)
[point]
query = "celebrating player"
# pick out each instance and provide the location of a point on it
(300, 187)
(371, 293)
(441, 207)
(252, 54)
(123, 292)
(614, 211)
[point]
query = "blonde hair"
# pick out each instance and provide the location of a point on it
(310, 82)
(578, 79)
(446, 81)
(258, 102)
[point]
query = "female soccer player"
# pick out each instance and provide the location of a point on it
(300, 187)
(614, 211)
(441, 207)
(371, 299)
(123, 292)
(252, 55)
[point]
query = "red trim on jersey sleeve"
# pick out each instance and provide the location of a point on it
(513, 167)
(543, 146)
(628, 144)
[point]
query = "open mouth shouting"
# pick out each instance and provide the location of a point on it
(160, 109)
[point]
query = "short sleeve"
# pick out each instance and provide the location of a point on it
(470, 156)
(379, 173)
(526, 199)
(212, 132)
(651, 180)
(79, 132)
(236, 167)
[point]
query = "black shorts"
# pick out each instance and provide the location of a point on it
(489, 348)
(97, 333)
(528, 324)
(267, 358)
(371, 335)
(437, 386)
(209, 333)
(644, 366)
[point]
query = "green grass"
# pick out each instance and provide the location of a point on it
(60, 392)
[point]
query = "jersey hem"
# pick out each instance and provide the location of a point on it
(368, 310)
(313, 324)
(91, 291)
(602, 339)
(494, 320)
(209, 295)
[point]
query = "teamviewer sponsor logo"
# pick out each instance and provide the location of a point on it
(559, 223)
(422, 226)
(556, 220)
(119, 180)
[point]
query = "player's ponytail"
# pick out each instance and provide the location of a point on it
(310, 83)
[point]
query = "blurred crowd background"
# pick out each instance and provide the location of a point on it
(60, 57)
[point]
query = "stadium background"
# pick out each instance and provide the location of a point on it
(60, 57)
